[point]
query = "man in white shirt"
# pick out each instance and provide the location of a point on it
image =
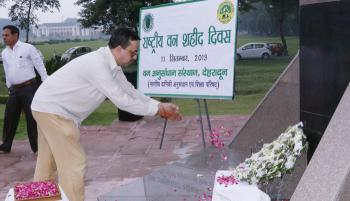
(71, 94)
(19, 60)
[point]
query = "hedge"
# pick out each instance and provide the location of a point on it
(3, 99)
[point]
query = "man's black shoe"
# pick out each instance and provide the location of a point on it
(3, 150)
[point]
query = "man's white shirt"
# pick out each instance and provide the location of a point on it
(78, 88)
(19, 63)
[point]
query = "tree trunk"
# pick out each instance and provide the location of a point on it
(281, 21)
(28, 21)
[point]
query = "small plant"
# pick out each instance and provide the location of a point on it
(54, 64)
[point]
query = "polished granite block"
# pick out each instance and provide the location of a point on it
(324, 64)
(187, 179)
(327, 177)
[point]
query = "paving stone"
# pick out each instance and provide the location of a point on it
(121, 152)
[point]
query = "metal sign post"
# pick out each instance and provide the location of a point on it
(200, 122)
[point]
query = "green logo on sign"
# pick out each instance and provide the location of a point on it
(225, 12)
(147, 23)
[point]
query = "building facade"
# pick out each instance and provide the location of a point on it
(68, 29)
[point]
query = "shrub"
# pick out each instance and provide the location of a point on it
(3, 99)
(54, 64)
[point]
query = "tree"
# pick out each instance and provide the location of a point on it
(110, 13)
(246, 5)
(23, 11)
(279, 10)
(255, 22)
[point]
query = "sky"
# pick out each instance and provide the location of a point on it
(67, 9)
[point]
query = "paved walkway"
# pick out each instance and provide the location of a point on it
(121, 152)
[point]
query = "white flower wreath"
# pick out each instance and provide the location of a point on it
(274, 159)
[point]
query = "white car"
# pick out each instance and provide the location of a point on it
(253, 50)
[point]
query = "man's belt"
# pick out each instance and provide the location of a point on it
(23, 84)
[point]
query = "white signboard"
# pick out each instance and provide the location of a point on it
(188, 49)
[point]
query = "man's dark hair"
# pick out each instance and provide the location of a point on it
(122, 37)
(13, 29)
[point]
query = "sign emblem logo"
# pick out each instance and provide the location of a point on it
(225, 12)
(147, 23)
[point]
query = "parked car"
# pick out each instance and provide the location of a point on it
(75, 52)
(276, 49)
(253, 50)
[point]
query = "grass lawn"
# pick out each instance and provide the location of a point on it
(253, 79)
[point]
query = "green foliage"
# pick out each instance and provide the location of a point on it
(109, 14)
(3, 88)
(54, 64)
(273, 18)
(255, 21)
(246, 5)
(3, 99)
(23, 11)
(279, 10)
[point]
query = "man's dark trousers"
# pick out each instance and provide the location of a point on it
(19, 99)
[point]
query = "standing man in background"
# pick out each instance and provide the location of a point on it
(19, 60)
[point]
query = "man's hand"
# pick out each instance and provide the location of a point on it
(169, 111)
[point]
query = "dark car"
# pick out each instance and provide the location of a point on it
(276, 49)
(75, 52)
